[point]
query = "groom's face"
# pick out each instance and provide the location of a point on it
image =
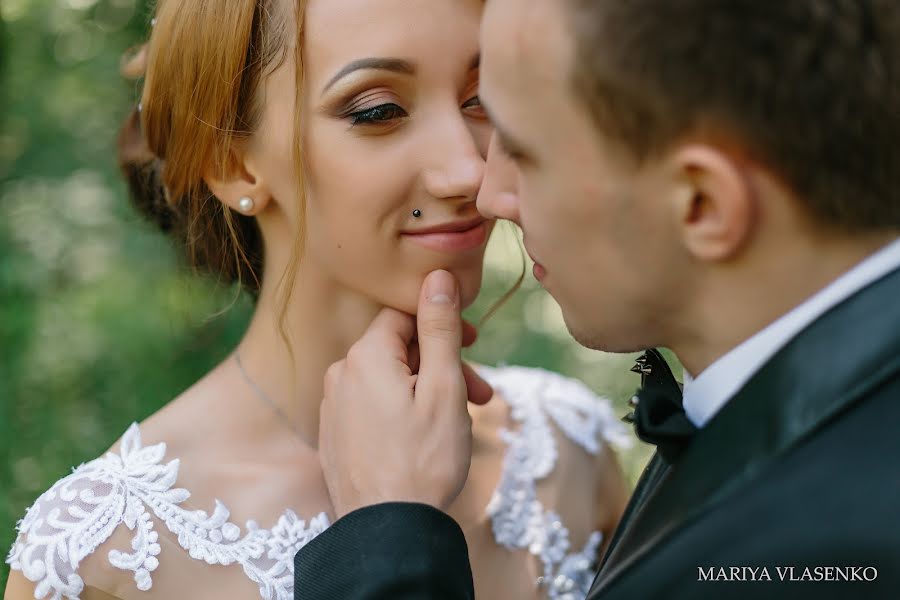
(592, 220)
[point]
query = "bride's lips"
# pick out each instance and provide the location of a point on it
(456, 236)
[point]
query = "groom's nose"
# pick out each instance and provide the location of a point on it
(498, 197)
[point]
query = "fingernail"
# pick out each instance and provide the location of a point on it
(439, 288)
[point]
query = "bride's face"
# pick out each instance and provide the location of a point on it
(393, 125)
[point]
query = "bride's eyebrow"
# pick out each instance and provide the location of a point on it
(396, 65)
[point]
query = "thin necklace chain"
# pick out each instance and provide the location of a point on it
(262, 395)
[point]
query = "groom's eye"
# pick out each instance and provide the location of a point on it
(511, 152)
(511, 149)
(513, 155)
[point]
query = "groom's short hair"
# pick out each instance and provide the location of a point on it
(808, 88)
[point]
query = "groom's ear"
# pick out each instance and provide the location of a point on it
(714, 202)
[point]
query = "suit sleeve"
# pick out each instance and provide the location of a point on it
(396, 551)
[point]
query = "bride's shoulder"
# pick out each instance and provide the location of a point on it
(537, 396)
(83, 511)
(103, 525)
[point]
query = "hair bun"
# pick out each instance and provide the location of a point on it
(142, 173)
(137, 162)
(134, 63)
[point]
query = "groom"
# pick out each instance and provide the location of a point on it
(718, 177)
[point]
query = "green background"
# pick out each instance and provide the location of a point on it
(100, 323)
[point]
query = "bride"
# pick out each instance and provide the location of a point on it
(327, 157)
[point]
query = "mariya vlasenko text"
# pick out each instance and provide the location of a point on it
(787, 573)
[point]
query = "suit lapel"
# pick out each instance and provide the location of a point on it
(650, 478)
(828, 367)
(658, 375)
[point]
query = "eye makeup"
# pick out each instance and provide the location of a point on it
(383, 113)
(372, 102)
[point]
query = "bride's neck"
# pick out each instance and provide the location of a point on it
(291, 342)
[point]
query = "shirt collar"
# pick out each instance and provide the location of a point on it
(707, 393)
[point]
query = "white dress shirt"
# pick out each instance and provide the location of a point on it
(706, 394)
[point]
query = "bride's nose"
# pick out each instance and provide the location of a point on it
(455, 168)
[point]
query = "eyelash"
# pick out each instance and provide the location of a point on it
(376, 114)
(476, 97)
(385, 113)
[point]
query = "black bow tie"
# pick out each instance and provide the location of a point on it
(658, 414)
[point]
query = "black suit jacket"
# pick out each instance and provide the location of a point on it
(791, 491)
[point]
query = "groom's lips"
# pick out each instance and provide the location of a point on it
(538, 270)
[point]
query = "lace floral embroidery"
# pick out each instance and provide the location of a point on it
(518, 518)
(80, 512)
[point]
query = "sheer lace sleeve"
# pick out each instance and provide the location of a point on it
(536, 394)
(81, 511)
(134, 490)
(538, 399)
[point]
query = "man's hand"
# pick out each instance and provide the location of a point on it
(394, 423)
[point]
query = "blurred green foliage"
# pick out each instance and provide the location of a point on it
(100, 324)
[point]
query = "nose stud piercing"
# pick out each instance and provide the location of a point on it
(417, 213)
(246, 204)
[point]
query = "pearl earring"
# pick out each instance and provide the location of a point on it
(246, 204)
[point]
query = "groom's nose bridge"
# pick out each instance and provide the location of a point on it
(499, 189)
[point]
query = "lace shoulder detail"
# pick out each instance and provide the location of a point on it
(584, 417)
(81, 511)
(538, 398)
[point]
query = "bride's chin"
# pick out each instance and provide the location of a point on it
(469, 288)
(469, 280)
(467, 297)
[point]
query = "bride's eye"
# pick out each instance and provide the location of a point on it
(473, 107)
(382, 113)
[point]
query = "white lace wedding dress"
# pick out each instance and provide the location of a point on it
(136, 492)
